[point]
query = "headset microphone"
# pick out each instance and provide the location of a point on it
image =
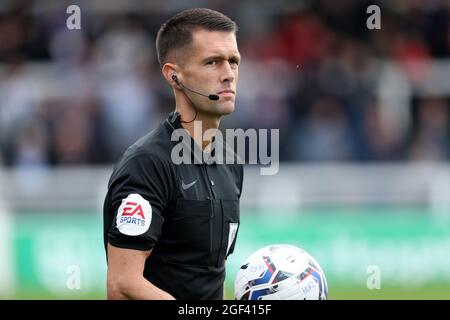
(213, 97)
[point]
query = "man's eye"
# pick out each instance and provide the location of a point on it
(213, 62)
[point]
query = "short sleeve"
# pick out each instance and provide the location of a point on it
(139, 192)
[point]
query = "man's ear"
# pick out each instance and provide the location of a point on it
(168, 71)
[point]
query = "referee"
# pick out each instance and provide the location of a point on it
(168, 228)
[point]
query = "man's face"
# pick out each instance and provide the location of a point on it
(210, 66)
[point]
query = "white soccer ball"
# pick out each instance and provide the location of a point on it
(280, 272)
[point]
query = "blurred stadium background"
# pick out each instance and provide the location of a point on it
(364, 180)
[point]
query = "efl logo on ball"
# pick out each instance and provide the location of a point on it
(134, 215)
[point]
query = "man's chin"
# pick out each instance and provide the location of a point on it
(225, 108)
(222, 109)
(218, 110)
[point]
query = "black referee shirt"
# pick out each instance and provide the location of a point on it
(187, 213)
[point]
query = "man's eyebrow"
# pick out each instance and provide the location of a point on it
(222, 56)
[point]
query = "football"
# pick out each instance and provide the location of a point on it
(280, 272)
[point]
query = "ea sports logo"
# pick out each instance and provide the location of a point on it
(134, 215)
(136, 207)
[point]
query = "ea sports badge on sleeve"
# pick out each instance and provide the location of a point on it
(134, 215)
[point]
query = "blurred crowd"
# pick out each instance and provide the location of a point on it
(310, 68)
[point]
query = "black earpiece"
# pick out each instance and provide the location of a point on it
(175, 78)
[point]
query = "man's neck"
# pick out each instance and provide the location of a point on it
(197, 128)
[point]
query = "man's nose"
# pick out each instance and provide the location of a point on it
(227, 73)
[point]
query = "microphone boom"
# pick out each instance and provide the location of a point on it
(213, 97)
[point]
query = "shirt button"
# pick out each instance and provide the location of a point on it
(212, 182)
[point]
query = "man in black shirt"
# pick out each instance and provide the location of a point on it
(169, 227)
